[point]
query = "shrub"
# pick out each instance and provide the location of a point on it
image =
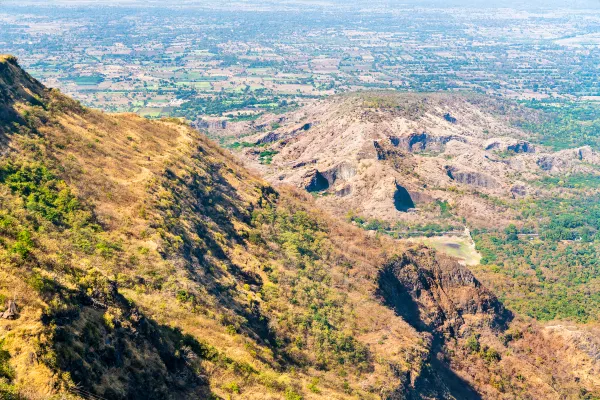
(312, 386)
(490, 355)
(473, 344)
(290, 394)
(232, 387)
(23, 245)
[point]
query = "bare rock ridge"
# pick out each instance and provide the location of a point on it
(471, 178)
(315, 181)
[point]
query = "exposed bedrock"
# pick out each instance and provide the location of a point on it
(388, 152)
(344, 191)
(434, 293)
(448, 117)
(513, 145)
(471, 178)
(546, 163)
(568, 158)
(518, 190)
(342, 171)
(586, 153)
(424, 142)
(268, 138)
(314, 181)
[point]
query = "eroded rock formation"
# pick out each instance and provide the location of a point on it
(471, 178)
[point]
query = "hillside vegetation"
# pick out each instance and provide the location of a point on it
(147, 264)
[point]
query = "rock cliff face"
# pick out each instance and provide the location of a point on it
(437, 294)
(510, 144)
(343, 171)
(314, 181)
(416, 142)
(471, 178)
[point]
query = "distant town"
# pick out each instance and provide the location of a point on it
(203, 62)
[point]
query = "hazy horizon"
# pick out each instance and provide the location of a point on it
(321, 4)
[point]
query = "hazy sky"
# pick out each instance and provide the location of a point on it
(347, 4)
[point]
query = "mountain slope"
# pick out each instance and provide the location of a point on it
(146, 263)
(383, 153)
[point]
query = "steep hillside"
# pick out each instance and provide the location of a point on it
(145, 263)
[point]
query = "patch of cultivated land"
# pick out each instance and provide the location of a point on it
(459, 247)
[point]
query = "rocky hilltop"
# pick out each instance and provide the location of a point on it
(382, 154)
(140, 261)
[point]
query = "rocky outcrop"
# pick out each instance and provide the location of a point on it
(11, 311)
(586, 154)
(303, 163)
(416, 142)
(342, 171)
(211, 125)
(271, 137)
(314, 181)
(518, 190)
(435, 293)
(567, 159)
(268, 138)
(546, 162)
(511, 145)
(344, 191)
(471, 178)
(521, 147)
(450, 118)
(388, 152)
